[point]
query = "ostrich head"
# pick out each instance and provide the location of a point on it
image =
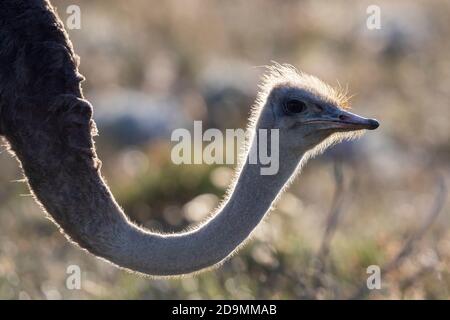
(309, 114)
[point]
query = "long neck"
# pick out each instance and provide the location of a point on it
(80, 202)
(217, 238)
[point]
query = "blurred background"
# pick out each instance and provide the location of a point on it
(154, 66)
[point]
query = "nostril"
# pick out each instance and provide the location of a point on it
(343, 117)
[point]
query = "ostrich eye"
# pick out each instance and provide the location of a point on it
(294, 106)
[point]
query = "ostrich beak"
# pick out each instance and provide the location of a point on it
(351, 121)
(344, 121)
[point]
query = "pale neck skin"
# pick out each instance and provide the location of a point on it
(216, 239)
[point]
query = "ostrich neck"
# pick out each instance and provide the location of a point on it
(79, 200)
(218, 237)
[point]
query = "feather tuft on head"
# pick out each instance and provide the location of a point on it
(286, 74)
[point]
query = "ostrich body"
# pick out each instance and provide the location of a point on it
(48, 125)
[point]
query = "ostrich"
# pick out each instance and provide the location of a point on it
(48, 126)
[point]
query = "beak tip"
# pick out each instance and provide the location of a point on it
(373, 124)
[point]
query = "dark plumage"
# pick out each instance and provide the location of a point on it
(43, 115)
